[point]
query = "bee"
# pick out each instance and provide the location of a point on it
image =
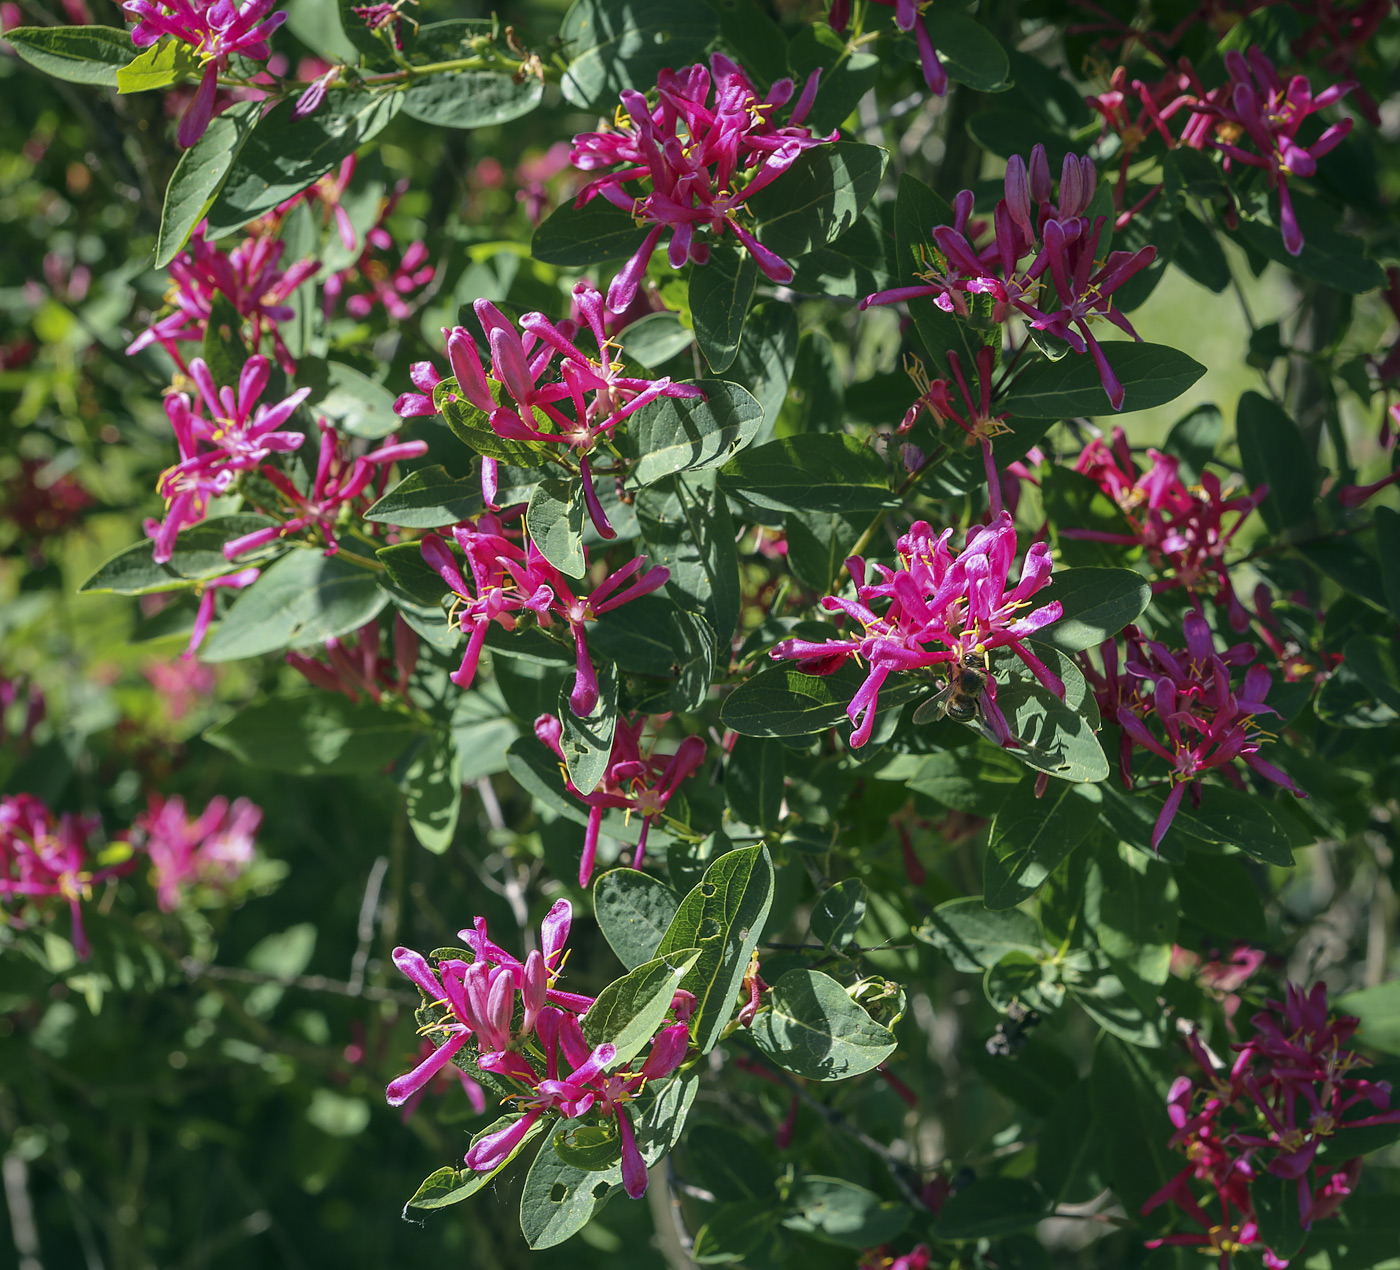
(960, 699)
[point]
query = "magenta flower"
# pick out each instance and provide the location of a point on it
(632, 783)
(934, 609)
(355, 665)
(1206, 723)
(237, 434)
(1256, 104)
(340, 482)
(216, 30)
(509, 580)
(577, 403)
(249, 277)
(212, 850)
(1180, 529)
(906, 17)
(207, 592)
(42, 855)
(703, 160)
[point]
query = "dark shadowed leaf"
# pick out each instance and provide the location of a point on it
(1151, 375)
(316, 734)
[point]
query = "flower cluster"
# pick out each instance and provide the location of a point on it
(632, 783)
(341, 486)
(509, 580)
(216, 30)
(577, 403)
(43, 855)
(1291, 1087)
(538, 1049)
(906, 18)
(938, 610)
(1180, 529)
(1063, 244)
(1206, 722)
(250, 277)
(1256, 104)
(220, 433)
(356, 664)
(703, 160)
(211, 850)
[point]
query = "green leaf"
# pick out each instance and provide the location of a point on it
(1330, 255)
(1388, 545)
(720, 294)
(723, 917)
(303, 599)
(969, 52)
(975, 780)
(974, 938)
(696, 654)
(428, 498)
(591, 1147)
(1230, 817)
(1110, 994)
(917, 210)
(634, 911)
(735, 1230)
(990, 1206)
(350, 399)
(198, 555)
(559, 1199)
(1151, 375)
(554, 521)
(753, 782)
(1194, 438)
(840, 1212)
(782, 701)
(471, 99)
(594, 234)
(1056, 737)
(612, 46)
(689, 530)
(473, 427)
(1130, 1118)
(200, 175)
(316, 734)
(685, 434)
(432, 784)
(655, 339)
(1276, 1210)
(726, 1164)
(1273, 453)
(451, 1186)
(158, 66)
(1030, 836)
(839, 910)
(77, 54)
(819, 198)
(847, 75)
(222, 348)
(767, 356)
(1219, 894)
(818, 544)
(1098, 603)
(1373, 659)
(285, 155)
(813, 1028)
(1378, 1009)
(1131, 903)
(828, 472)
(587, 742)
(413, 575)
(631, 1010)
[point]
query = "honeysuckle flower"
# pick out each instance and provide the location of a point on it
(216, 30)
(1298, 656)
(180, 684)
(933, 609)
(207, 591)
(441, 1083)
(329, 191)
(702, 161)
(390, 286)
(340, 480)
(250, 277)
(211, 850)
(41, 501)
(43, 855)
(355, 665)
(639, 785)
(220, 433)
(1206, 722)
(310, 101)
(1181, 528)
(907, 15)
(1256, 104)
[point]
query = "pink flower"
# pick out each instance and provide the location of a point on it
(638, 785)
(216, 30)
(207, 592)
(180, 684)
(935, 609)
(702, 160)
(212, 850)
(42, 855)
(249, 277)
(355, 665)
(906, 15)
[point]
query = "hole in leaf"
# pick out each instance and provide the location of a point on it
(709, 929)
(558, 1192)
(707, 888)
(600, 1190)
